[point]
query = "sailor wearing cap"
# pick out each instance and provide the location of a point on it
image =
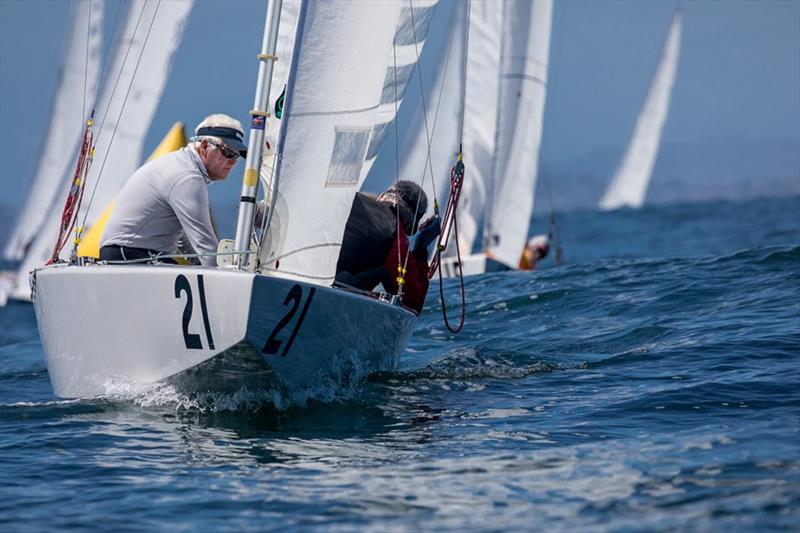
(167, 198)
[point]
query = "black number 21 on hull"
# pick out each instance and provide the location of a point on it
(293, 298)
(192, 340)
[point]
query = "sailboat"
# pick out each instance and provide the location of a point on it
(77, 86)
(277, 320)
(504, 113)
(131, 93)
(80, 68)
(492, 71)
(628, 188)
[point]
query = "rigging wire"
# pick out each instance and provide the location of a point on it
(122, 108)
(428, 133)
(400, 267)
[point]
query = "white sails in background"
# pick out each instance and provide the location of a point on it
(629, 185)
(131, 92)
(79, 78)
(506, 82)
(523, 86)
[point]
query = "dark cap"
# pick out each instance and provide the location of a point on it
(232, 137)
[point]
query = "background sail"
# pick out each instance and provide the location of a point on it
(523, 86)
(440, 66)
(76, 91)
(629, 185)
(139, 72)
(339, 104)
(481, 100)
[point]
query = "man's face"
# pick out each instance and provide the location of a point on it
(217, 165)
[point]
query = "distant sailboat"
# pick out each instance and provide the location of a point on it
(628, 188)
(76, 89)
(506, 85)
(145, 49)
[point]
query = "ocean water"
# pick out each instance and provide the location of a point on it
(650, 383)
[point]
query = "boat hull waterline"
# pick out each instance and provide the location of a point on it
(105, 325)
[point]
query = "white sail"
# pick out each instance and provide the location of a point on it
(331, 135)
(287, 31)
(440, 67)
(523, 86)
(131, 93)
(75, 91)
(629, 185)
(481, 100)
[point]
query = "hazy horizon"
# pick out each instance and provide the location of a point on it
(733, 130)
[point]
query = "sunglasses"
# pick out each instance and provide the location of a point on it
(226, 152)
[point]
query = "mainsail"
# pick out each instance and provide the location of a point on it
(481, 101)
(331, 135)
(441, 67)
(523, 86)
(629, 185)
(76, 89)
(131, 93)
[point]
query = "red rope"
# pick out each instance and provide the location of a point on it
(448, 220)
(73, 204)
(451, 224)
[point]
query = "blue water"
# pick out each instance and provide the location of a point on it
(652, 382)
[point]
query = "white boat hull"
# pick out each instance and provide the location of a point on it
(105, 325)
(471, 265)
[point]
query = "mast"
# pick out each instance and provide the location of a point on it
(255, 143)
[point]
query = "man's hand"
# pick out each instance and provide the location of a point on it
(428, 232)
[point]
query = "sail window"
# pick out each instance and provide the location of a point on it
(400, 76)
(349, 148)
(379, 132)
(406, 27)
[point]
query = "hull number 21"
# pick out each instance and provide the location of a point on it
(192, 340)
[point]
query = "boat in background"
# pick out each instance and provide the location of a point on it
(131, 92)
(78, 81)
(283, 320)
(628, 188)
(504, 114)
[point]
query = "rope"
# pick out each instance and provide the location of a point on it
(463, 317)
(124, 102)
(71, 207)
(451, 223)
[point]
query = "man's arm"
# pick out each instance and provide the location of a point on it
(189, 200)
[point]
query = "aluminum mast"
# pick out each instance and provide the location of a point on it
(255, 144)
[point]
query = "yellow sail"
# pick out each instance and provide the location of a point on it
(90, 243)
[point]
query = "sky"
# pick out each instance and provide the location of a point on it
(733, 130)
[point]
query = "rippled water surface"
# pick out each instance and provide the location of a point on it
(652, 382)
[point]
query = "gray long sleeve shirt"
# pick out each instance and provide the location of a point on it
(163, 200)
